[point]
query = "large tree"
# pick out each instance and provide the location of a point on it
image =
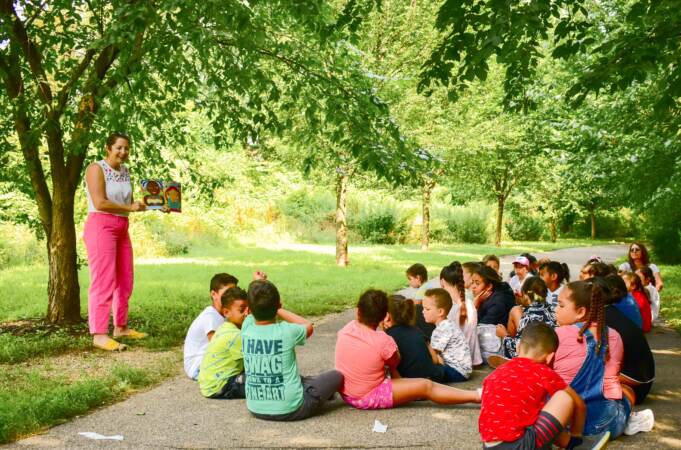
(72, 71)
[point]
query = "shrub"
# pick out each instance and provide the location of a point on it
(524, 227)
(466, 224)
(19, 246)
(381, 224)
(308, 206)
(665, 236)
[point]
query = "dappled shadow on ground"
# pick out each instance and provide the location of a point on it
(40, 327)
(665, 396)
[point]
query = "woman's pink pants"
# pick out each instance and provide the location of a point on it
(109, 254)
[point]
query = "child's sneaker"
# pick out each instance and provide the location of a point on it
(596, 441)
(641, 421)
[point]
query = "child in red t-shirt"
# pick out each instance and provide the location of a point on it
(515, 413)
(641, 296)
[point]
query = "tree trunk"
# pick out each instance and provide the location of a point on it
(500, 218)
(425, 227)
(341, 219)
(63, 290)
(592, 214)
(554, 231)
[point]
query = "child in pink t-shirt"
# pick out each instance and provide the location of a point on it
(589, 357)
(363, 352)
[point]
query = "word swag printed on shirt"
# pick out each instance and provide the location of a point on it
(264, 364)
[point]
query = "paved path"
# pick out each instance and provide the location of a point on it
(175, 415)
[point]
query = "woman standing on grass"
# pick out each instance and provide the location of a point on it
(109, 249)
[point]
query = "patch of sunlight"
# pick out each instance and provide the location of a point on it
(474, 256)
(444, 416)
(324, 249)
(667, 352)
(670, 441)
(178, 260)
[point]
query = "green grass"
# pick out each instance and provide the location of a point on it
(31, 399)
(670, 300)
(168, 295)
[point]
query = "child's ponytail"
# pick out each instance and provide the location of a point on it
(592, 297)
(453, 274)
(535, 289)
(401, 310)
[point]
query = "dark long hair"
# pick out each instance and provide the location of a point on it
(453, 274)
(645, 258)
(401, 310)
(560, 269)
(591, 296)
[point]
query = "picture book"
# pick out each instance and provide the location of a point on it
(158, 194)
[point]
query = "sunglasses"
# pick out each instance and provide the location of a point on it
(634, 249)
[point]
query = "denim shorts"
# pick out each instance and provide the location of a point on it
(613, 417)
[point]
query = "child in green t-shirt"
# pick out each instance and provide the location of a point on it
(274, 388)
(222, 369)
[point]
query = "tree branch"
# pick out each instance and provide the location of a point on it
(100, 24)
(63, 95)
(29, 49)
(11, 68)
(95, 90)
(35, 15)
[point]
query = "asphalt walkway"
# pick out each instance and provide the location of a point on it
(175, 415)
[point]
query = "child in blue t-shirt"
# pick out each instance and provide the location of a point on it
(274, 388)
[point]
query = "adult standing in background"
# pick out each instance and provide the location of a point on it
(109, 250)
(638, 258)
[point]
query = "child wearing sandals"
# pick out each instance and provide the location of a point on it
(515, 413)
(363, 352)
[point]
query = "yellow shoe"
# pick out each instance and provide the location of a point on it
(111, 346)
(131, 334)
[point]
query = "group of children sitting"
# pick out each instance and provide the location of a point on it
(571, 359)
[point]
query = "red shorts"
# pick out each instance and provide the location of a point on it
(381, 397)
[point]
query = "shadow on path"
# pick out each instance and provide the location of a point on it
(176, 415)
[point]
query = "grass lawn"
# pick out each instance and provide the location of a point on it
(671, 296)
(48, 375)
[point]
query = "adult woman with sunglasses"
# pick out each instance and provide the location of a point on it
(638, 258)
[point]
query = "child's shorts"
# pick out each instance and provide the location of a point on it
(540, 435)
(235, 387)
(613, 416)
(380, 398)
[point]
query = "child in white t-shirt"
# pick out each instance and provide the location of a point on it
(203, 327)
(448, 341)
(521, 265)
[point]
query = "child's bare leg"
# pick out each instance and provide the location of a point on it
(560, 406)
(406, 390)
(567, 407)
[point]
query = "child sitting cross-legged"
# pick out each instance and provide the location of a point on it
(222, 369)
(363, 352)
(416, 360)
(274, 388)
(448, 341)
(515, 413)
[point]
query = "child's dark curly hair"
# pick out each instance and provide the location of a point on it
(372, 307)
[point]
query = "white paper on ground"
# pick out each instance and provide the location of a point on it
(100, 437)
(379, 427)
